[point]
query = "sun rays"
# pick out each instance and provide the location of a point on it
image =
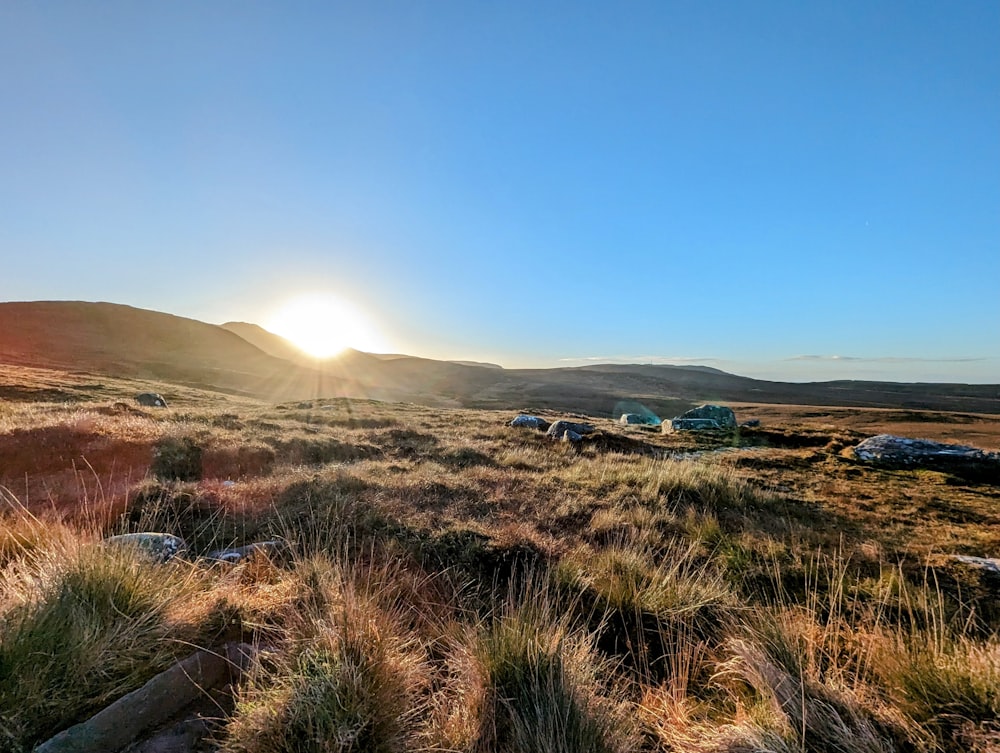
(323, 325)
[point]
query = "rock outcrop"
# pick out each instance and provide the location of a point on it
(576, 432)
(721, 414)
(889, 451)
(703, 418)
(151, 400)
(530, 422)
(691, 424)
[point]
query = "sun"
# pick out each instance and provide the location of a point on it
(323, 325)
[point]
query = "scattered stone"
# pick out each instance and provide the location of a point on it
(753, 423)
(721, 414)
(571, 436)
(559, 428)
(889, 451)
(638, 419)
(151, 400)
(160, 547)
(531, 422)
(237, 554)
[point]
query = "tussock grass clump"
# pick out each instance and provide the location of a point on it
(638, 600)
(465, 457)
(320, 450)
(946, 682)
(248, 460)
(695, 498)
(177, 459)
(349, 679)
(194, 512)
(80, 627)
(774, 684)
(405, 442)
(331, 512)
(704, 486)
(546, 688)
(793, 689)
(23, 534)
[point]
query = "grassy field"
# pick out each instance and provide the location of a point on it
(454, 584)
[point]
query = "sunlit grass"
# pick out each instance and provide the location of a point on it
(80, 625)
(450, 583)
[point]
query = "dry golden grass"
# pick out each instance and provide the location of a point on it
(456, 584)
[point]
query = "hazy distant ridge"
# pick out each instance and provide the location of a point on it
(242, 357)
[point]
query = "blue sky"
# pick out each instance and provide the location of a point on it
(783, 189)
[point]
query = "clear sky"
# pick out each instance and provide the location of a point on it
(784, 189)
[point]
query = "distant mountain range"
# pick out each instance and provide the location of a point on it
(237, 357)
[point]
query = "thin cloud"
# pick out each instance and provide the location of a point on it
(644, 360)
(883, 359)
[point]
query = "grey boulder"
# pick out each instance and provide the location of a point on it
(151, 399)
(159, 547)
(890, 451)
(721, 414)
(560, 428)
(691, 424)
(530, 422)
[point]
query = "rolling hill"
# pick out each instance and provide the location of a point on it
(242, 358)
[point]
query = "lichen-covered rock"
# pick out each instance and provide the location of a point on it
(571, 436)
(721, 414)
(530, 422)
(160, 547)
(889, 451)
(559, 428)
(691, 424)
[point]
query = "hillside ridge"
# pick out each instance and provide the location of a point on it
(244, 358)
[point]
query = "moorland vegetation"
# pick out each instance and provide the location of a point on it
(450, 583)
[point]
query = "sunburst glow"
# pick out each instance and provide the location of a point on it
(323, 325)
